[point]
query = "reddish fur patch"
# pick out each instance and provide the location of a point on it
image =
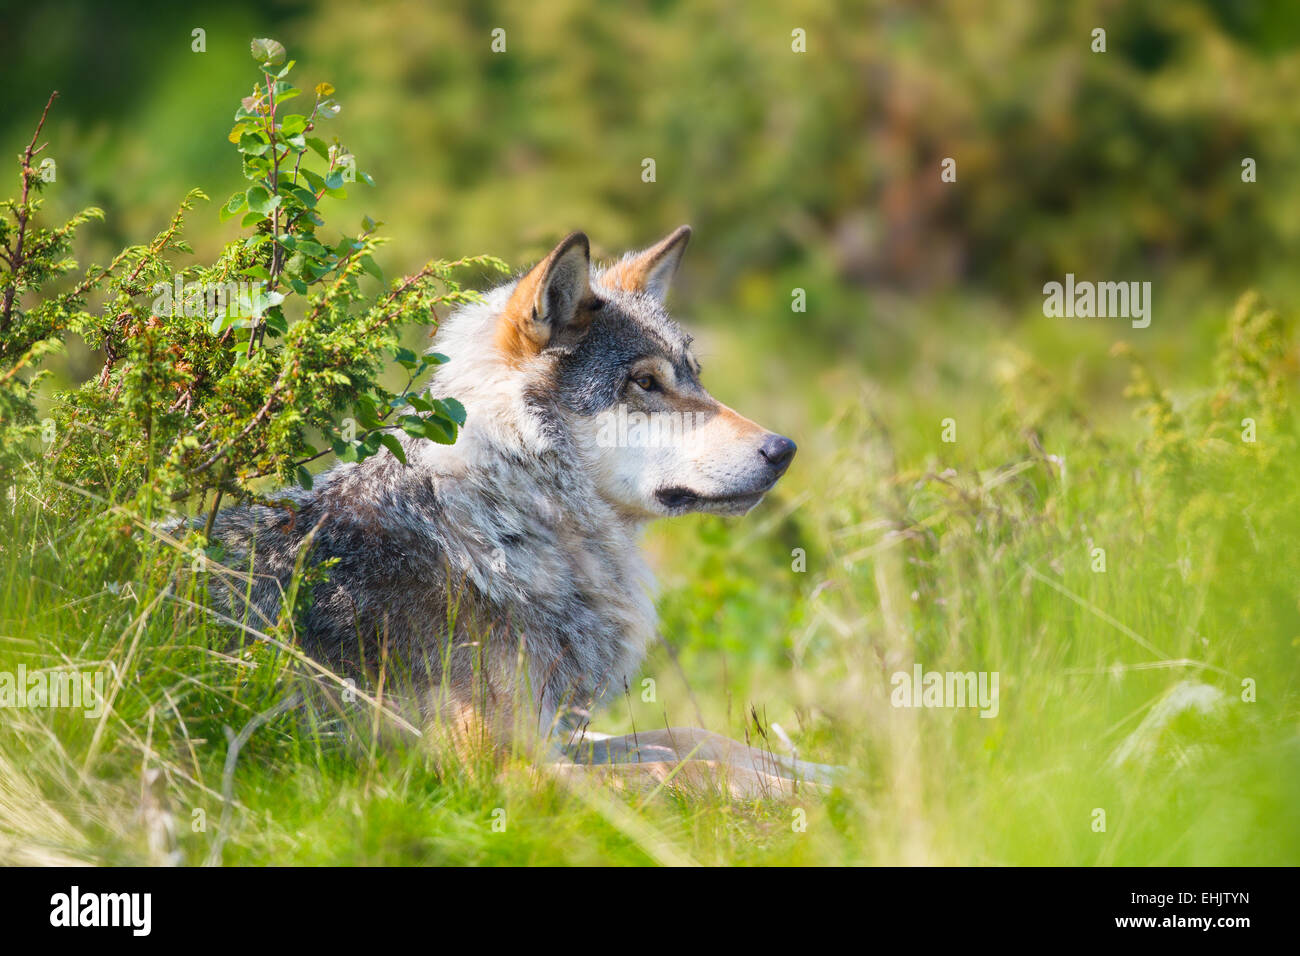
(630, 275)
(741, 426)
(519, 336)
(514, 344)
(634, 273)
(515, 337)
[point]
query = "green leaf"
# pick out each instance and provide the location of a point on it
(368, 263)
(268, 53)
(293, 123)
(318, 147)
(392, 443)
(232, 206)
(454, 410)
(256, 167)
(276, 322)
(261, 201)
(304, 196)
(430, 428)
(310, 247)
(253, 143)
(304, 477)
(366, 414)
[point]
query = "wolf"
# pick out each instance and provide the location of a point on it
(504, 570)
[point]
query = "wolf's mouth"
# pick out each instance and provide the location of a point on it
(677, 497)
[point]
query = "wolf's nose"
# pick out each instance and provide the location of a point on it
(777, 450)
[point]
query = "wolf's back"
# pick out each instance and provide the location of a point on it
(368, 595)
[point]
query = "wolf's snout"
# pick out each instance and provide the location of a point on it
(777, 451)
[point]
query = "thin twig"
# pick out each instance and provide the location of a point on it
(23, 214)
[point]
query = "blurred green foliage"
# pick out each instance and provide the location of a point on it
(818, 170)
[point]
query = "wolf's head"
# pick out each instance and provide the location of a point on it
(593, 352)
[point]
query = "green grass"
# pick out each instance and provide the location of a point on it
(974, 555)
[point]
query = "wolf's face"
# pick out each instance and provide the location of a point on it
(604, 352)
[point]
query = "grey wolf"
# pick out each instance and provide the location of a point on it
(504, 570)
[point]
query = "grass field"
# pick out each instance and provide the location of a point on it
(1128, 565)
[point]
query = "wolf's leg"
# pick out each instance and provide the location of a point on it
(676, 744)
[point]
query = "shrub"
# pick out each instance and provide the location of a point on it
(217, 375)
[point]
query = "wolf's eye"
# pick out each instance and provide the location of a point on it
(646, 383)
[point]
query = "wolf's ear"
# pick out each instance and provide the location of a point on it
(652, 269)
(546, 307)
